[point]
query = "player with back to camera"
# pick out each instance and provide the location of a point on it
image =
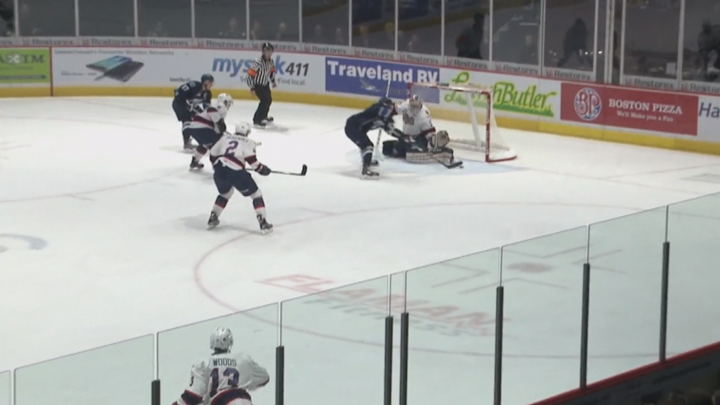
(186, 96)
(419, 141)
(207, 126)
(224, 378)
(378, 115)
(230, 155)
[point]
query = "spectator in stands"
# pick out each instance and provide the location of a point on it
(282, 33)
(318, 35)
(575, 43)
(468, 42)
(414, 44)
(363, 40)
(256, 32)
(528, 53)
(340, 37)
(130, 30)
(8, 16)
(709, 43)
(389, 41)
(233, 31)
(158, 31)
(716, 397)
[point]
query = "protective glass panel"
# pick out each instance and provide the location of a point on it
(47, 18)
(653, 55)
(420, 27)
(165, 18)
(451, 308)
(5, 388)
(625, 286)
(543, 280)
(276, 20)
(569, 30)
(221, 19)
(334, 344)
(373, 24)
(701, 42)
(255, 333)
(693, 311)
(99, 376)
(466, 29)
(7, 19)
(326, 22)
(107, 18)
(516, 27)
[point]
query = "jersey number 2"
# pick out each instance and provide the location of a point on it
(232, 145)
(233, 377)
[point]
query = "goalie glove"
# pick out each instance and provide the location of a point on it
(392, 131)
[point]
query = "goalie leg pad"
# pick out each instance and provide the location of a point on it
(394, 149)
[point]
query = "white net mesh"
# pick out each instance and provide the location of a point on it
(477, 128)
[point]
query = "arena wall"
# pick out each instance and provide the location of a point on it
(347, 77)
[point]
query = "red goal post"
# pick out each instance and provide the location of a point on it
(483, 134)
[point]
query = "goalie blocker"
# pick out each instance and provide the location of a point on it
(422, 149)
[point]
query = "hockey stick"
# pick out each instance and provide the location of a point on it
(377, 143)
(452, 165)
(302, 172)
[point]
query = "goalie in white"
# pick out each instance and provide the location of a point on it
(224, 378)
(230, 156)
(419, 142)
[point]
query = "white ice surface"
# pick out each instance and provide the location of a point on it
(102, 239)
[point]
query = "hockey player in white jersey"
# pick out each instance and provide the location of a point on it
(206, 126)
(223, 378)
(230, 156)
(419, 142)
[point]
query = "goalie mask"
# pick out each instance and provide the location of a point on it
(415, 103)
(439, 140)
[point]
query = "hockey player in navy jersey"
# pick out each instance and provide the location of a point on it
(186, 96)
(207, 126)
(378, 115)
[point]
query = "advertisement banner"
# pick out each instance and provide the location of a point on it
(709, 118)
(512, 95)
(24, 66)
(135, 67)
(370, 78)
(670, 113)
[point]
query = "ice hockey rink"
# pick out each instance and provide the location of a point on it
(103, 239)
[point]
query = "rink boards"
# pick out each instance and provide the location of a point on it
(349, 77)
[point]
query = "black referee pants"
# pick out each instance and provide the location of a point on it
(265, 95)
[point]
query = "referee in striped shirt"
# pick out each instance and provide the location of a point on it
(260, 75)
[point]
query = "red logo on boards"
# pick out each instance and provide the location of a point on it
(671, 113)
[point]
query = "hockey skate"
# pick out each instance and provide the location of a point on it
(195, 164)
(265, 227)
(262, 124)
(270, 119)
(369, 174)
(213, 221)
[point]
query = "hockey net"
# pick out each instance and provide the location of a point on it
(479, 130)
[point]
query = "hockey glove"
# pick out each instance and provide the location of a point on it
(263, 170)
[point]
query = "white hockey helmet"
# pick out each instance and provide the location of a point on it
(221, 339)
(243, 129)
(225, 100)
(415, 103)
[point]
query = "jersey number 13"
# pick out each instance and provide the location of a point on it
(232, 376)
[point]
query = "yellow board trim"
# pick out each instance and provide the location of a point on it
(25, 91)
(558, 128)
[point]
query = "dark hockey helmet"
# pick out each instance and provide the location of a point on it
(207, 78)
(267, 46)
(385, 101)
